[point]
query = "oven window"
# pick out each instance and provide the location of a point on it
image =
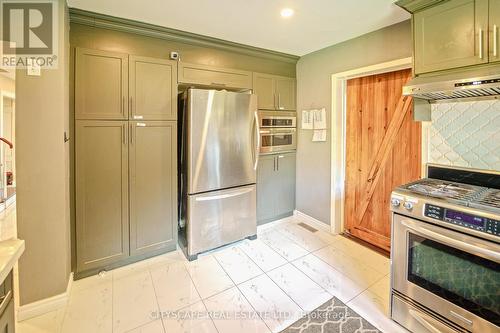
(267, 122)
(267, 140)
(468, 281)
(282, 139)
(282, 122)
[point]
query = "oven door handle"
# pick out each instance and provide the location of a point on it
(461, 245)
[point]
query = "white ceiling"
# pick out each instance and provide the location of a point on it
(315, 25)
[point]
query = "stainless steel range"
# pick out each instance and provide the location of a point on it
(445, 269)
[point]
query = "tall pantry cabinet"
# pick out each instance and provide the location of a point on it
(125, 150)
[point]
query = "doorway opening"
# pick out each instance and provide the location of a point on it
(7, 148)
(340, 82)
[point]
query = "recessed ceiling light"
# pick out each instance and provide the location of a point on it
(286, 12)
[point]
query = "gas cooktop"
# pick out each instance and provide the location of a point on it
(471, 207)
(456, 193)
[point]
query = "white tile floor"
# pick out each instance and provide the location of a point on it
(270, 281)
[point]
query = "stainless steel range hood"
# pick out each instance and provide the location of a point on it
(476, 83)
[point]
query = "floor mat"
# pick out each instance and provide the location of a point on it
(332, 317)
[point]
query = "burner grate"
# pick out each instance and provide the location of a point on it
(490, 198)
(462, 194)
(441, 189)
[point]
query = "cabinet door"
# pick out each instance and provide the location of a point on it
(451, 35)
(285, 93)
(101, 85)
(153, 88)
(286, 189)
(153, 186)
(494, 30)
(215, 77)
(102, 231)
(7, 320)
(264, 87)
(266, 188)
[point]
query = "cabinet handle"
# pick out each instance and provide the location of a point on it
(124, 135)
(279, 103)
(132, 133)
(274, 164)
(219, 84)
(123, 105)
(130, 111)
(480, 43)
(495, 40)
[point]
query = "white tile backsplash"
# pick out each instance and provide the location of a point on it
(465, 134)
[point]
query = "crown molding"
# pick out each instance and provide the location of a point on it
(92, 19)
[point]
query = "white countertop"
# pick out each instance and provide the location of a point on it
(10, 251)
(11, 248)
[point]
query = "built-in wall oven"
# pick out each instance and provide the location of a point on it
(445, 269)
(278, 131)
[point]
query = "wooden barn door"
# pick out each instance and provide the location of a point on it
(383, 151)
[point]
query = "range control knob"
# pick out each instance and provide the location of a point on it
(395, 202)
(408, 205)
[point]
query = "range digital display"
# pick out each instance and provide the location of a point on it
(469, 219)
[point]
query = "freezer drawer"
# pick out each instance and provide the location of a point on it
(220, 217)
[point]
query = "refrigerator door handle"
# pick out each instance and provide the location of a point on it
(225, 196)
(257, 148)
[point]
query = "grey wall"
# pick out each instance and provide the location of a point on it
(42, 176)
(314, 73)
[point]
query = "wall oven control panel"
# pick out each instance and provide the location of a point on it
(463, 219)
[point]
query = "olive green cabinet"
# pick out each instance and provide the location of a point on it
(264, 87)
(101, 85)
(266, 188)
(494, 30)
(115, 86)
(101, 170)
(275, 187)
(214, 76)
(125, 159)
(126, 199)
(153, 89)
(153, 186)
(274, 92)
(450, 35)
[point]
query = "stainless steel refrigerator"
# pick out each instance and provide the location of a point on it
(219, 153)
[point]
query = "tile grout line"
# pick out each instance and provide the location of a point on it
(270, 278)
(156, 299)
(201, 298)
(369, 285)
(242, 294)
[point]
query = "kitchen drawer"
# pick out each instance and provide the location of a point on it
(212, 76)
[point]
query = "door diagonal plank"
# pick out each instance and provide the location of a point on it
(386, 147)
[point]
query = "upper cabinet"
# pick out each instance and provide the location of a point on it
(274, 92)
(115, 86)
(153, 88)
(494, 30)
(214, 77)
(453, 34)
(101, 85)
